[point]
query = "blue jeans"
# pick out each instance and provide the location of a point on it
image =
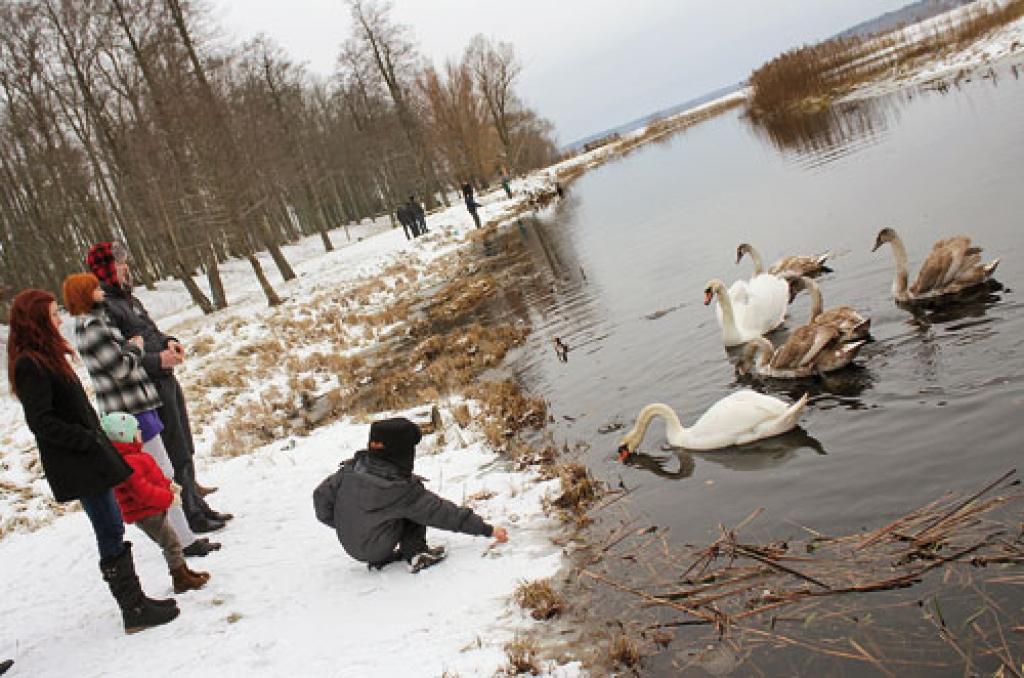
(105, 517)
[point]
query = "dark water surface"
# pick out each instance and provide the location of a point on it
(937, 400)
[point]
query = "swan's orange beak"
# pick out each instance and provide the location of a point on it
(708, 296)
(623, 453)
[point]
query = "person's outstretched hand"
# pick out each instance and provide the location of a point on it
(500, 535)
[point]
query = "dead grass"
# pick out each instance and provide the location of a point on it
(624, 651)
(540, 598)
(579, 490)
(522, 658)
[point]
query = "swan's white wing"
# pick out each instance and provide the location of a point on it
(766, 308)
(736, 414)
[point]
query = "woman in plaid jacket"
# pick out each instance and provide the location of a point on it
(121, 383)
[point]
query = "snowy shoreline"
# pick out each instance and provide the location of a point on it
(284, 597)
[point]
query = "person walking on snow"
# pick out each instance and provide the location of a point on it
(78, 460)
(381, 510)
(418, 216)
(145, 497)
(121, 383)
(161, 354)
(407, 225)
(471, 204)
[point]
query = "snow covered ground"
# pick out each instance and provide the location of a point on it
(1006, 42)
(284, 598)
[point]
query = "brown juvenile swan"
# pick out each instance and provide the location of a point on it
(953, 265)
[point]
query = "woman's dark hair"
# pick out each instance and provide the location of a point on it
(32, 335)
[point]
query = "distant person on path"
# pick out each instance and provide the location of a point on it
(78, 460)
(121, 383)
(162, 353)
(403, 218)
(145, 497)
(419, 216)
(471, 204)
(381, 510)
(506, 184)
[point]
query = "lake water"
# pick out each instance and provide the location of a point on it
(936, 401)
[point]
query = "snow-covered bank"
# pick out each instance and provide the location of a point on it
(284, 598)
(1005, 42)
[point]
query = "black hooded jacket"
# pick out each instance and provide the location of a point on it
(367, 500)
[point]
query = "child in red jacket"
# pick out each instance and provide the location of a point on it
(145, 497)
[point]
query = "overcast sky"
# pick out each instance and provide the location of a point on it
(588, 64)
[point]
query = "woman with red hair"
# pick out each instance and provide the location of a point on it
(79, 461)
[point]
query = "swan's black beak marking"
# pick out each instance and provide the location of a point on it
(623, 453)
(708, 296)
(878, 243)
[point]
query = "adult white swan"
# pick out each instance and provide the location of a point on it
(952, 266)
(786, 267)
(737, 419)
(748, 309)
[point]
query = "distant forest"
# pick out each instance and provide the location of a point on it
(910, 14)
(135, 120)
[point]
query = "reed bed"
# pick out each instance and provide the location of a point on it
(792, 594)
(809, 78)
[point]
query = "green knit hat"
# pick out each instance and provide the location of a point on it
(120, 427)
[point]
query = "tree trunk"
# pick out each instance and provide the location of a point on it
(200, 299)
(268, 290)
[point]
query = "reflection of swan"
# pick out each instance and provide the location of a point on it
(737, 419)
(952, 266)
(810, 350)
(786, 267)
(757, 456)
(748, 310)
(850, 324)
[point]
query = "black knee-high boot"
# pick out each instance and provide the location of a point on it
(137, 611)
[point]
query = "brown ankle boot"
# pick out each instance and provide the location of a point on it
(185, 579)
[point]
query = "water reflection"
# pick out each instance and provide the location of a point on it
(829, 134)
(973, 303)
(842, 388)
(757, 456)
(819, 137)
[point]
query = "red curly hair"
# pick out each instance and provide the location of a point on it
(31, 334)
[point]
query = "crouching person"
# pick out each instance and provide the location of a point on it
(146, 496)
(381, 511)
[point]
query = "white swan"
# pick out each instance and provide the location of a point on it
(737, 419)
(786, 267)
(748, 310)
(952, 266)
(810, 350)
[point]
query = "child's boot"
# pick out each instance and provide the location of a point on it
(185, 579)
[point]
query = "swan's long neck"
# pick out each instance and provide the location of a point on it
(899, 253)
(674, 430)
(762, 350)
(756, 257)
(816, 301)
(725, 303)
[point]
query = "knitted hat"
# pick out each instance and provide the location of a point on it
(399, 437)
(78, 289)
(120, 427)
(101, 260)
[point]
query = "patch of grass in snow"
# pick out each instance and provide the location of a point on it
(540, 598)
(522, 658)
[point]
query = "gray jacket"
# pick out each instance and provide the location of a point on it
(367, 500)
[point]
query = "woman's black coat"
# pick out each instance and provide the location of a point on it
(78, 459)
